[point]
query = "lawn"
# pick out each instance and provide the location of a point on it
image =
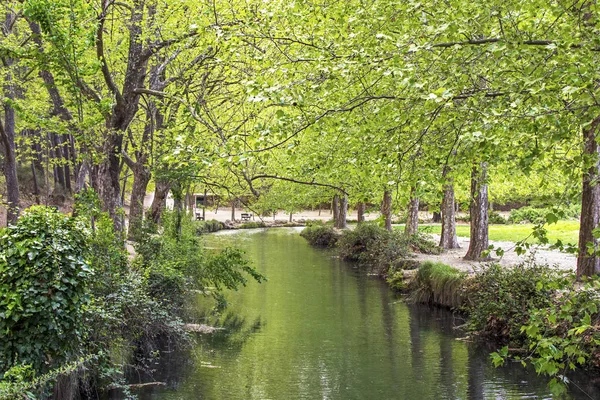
(566, 231)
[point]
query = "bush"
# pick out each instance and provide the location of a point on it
(500, 300)
(320, 235)
(372, 245)
(564, 334)
(203, 227)
(423, 243)
(537, 215)
(43, 280)
(440, 284)
(495, 217)
(355, 244)
(252, 225)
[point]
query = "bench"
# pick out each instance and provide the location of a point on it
(246, 216)
(199, 216)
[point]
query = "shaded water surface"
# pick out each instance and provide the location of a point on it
(322, 329)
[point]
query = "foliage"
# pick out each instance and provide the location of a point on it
(536, 215)
(423, 243)
(203, 227)
(371, 245)
(21, 383)
(252, 225)
(320, 235)
(495, 217)
(564, 335)
(500, 300)
(43, 282)
(440, 284)
(356, 244)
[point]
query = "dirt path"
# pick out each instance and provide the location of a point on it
(454, 257)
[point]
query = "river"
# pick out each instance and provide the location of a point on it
(320, 328)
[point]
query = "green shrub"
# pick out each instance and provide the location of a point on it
(252, 225)
(355, 244)
(423, 243)
(564, 335)
(372, 245)
(537, 215)
(43, 280)
(501, 299)
(203, 227)
(440, 284)
(320, 235)
(396, 281)
(495, 217)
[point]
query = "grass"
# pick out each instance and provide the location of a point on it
(440, 284)
(566, 231)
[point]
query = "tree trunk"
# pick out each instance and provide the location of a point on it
(67, 162)
(36, 189)
(233, 210)
(290, 216)
(340, 223)
(360, 211)
(589, 264)
(479, 213)
(59, 172)
(448, 239)
(412, 222)
(436, 218)
(7, 134)
(160, 199)
(386, 209)
(81, 174)
(178, 200)
(336, 209)
(141, 177)
(204, 202)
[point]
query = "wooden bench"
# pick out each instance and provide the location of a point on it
(199, 216)
(246, 216)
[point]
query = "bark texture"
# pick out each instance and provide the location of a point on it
(340, 223)
(7, 137)
(589, 264)
(360, 210)
(448, 239)
(412, 221)
(160, 199)
(479, 213)
(335, 207)
(386, 209)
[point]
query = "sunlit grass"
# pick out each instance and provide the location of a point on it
(566, 231)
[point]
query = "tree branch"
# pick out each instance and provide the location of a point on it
(311, 183)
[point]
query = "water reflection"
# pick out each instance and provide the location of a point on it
(320, 328)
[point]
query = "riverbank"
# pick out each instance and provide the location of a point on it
(530, 307)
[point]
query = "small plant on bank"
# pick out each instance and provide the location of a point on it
(440, 284)
(320, 235)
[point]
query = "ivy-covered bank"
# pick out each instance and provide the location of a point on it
(77, 310)
(532, 313)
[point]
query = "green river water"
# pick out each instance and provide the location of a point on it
(323, 329)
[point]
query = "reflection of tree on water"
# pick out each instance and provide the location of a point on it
(175, 364)
(233, 332)
(513, 380)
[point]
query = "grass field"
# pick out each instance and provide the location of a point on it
(566, 231)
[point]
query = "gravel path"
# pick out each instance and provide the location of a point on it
(454, 257)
